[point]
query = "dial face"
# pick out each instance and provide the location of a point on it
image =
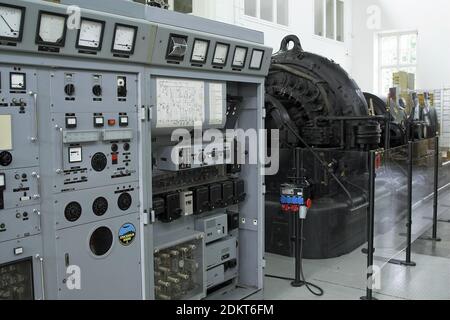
(124, 39)
(240, 55)
(257, 58)
(90, 34)
(17, 81)
(221, 54)
(11, 22)
(200, 51)
(52, 29)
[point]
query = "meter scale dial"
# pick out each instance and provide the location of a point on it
(52, 29)
(221, 54)
(124, 39)
(240, 57)
(200, 51)
(90, 34)
(11, 22)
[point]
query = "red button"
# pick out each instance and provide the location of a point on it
(309, 203)
(112, 122)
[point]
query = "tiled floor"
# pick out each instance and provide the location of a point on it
(343, 278)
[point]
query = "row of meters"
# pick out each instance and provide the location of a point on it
(178, 48)
(52, 29)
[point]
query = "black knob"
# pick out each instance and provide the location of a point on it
(69, 89)
(97, 90)
(114, 147)
(124, 202)
(100, 206)
(73, 211)
(99, 162)
(126, 147)
(5, 158)
(121, 91)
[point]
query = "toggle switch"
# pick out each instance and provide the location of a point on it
(2, 189)
(115, 158)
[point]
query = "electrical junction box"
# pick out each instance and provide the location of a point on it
(221, 252)
(214, 227)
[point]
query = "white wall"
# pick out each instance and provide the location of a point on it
(432, 21)
(301, 23)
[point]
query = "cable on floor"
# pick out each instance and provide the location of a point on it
(310, 286)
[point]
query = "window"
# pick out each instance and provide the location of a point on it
(329, 19)
(397, 52)
(276, 11)
(183, 6)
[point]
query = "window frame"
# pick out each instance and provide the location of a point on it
(324, 26)
(397, 66)
(171, 4)
(274, 21)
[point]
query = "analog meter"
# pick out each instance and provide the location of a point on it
(11, 22)
(221, 54)
(124, 39)
(240, 56)
(200, 51)
(52, 29)
(90, 34)
(257, 59)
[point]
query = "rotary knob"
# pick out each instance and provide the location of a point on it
(5, 158)
(97, 90)
(69, 89)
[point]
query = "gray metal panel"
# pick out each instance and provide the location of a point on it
(19, 223)
(24, 122)
(31, 248)
(214, 227)
(163, 37)
(220, 252)
(132, 9)
(21, 192)
(83, 99)
(86, 200)
(117, 275)
(144, 40)
(50, 91)
(71, 177)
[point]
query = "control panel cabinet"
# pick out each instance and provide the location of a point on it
(99, 197)
(21, 252)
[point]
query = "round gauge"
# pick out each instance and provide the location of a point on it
(11, 22)
(52, 29)
(90, 34)
(200, 50)
(124, 38)
(221, 54)
(240, 56)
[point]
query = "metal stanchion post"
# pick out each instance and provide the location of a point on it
(408, 262)
(437, 164)
(371, 226)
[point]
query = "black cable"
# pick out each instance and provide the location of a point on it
(309, 285)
